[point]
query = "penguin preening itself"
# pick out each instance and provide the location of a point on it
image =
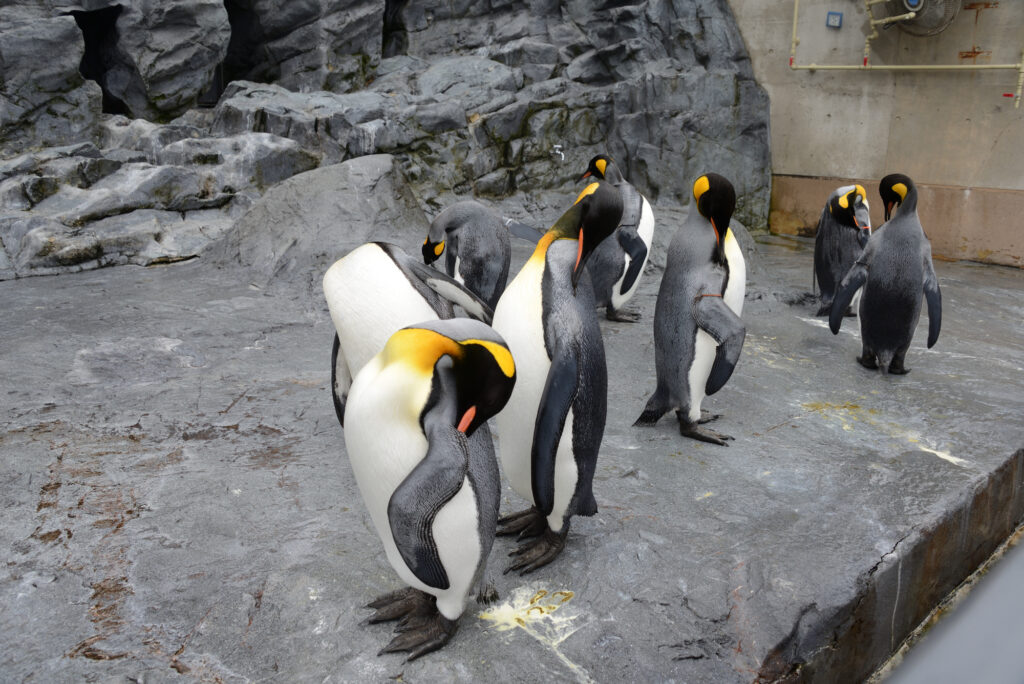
(475, 244)
(843, 230)
(426, 473)
(373, 291)
(894, 269)
(551, 430)
(617, 263)
(698, 334)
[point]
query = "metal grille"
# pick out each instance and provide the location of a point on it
(933, 16)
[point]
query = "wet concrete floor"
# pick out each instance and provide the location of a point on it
(178, 504)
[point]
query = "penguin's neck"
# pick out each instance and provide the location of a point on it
(562, 230)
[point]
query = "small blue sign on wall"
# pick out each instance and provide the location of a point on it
(834, 20)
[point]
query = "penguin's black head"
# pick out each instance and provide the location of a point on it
(471, 370)
(716, 200)
(849, 206)
(595, 215)
(432, 250)
(897, 190)
(597, 167)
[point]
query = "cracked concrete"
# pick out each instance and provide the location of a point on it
(178, 504)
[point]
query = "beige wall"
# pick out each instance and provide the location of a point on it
(952, 132)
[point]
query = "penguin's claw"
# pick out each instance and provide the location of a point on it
(429, 634)
(708, 416)
(403, 603)
(704, 434)
(488, 595)
(537, 553)
(527, 523)
(621, 315)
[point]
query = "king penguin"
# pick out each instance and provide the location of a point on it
(894, 269)
(617, 264)
(430, 483)
(698, 334)
(551, 430)
(476, 247)
(375, 290)
(843, 230)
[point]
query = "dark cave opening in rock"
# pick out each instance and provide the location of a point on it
(395, 35)
(102, 59)
(247, 57)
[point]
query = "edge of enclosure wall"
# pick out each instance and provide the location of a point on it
(976, 224)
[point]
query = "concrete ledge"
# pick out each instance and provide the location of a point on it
(978, 224)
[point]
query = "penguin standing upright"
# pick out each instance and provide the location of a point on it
(698, 334)
(476, 247)
(894, 270)
(373, 291)
(550, 432)
(617, 264)
(843, 230)
(430, 484)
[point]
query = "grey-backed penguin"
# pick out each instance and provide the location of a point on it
(427, 474)
(551, 430)
(475, 244)
(617, 264)
(894, 269)
(698, 334)
(843, 230)
(373, 291)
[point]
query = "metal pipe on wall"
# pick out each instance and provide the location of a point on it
(1019, 67)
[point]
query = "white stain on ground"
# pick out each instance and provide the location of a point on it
(542, 615)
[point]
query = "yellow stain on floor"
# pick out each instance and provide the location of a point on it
(539, 613)
(849, 413)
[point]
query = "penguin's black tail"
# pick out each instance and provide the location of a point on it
(884, 360)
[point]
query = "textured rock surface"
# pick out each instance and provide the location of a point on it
(178, 504)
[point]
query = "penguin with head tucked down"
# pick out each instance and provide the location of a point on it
(843, 230)
(426, 473)
(698, 334)
(373, 291)
(475, 245)
(617, 263)
(550, 432)
(895, 269)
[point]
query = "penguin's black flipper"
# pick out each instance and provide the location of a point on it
(453, 291)
(431, 484)
(933, 296)
(713, 316)
(522, 231)
(340, 381)
(559, 394)
(854, 280)
(635, 247)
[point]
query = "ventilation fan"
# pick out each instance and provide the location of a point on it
(933, 16)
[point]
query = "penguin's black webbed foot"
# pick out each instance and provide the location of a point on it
(693, 431)
(422, 635)
(868, 361)
(897, 367)
(538, 553)
(621, 315)
(707, 416)
(850, 313)
(527, 523)
(403, 603)
(824, 309)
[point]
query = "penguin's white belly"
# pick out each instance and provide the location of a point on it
(736, 288)
(458, 272)
(384, 444)
(703, 358)
(646, 232)
(518, 318)
(566, 474)
(369, 299)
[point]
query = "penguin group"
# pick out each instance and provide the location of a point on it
(427, 351)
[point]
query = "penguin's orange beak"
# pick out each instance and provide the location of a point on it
(467, 419)
(586, 174)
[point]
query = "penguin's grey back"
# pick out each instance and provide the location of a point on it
(479, 240)
(891, 304)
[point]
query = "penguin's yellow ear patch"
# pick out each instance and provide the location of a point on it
(700, 187)
(601, 165)
(438, 248)
(860, 191)
(900, 189)
(589, 190)
(844, 200)
(501, 355)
